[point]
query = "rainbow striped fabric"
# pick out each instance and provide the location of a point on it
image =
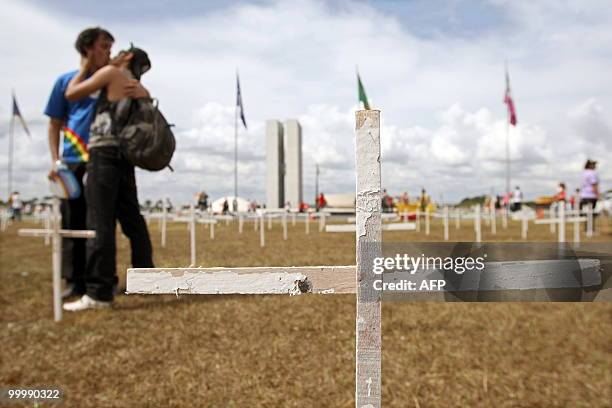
(74, 143)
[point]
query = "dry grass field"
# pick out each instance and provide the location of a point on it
(280, 351)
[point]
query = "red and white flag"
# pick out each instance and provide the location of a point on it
(509, 102)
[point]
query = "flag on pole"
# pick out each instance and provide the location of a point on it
(509, 102)
(17, 114)
(239, 101)
(362, 95)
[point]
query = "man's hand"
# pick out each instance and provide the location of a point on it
(134, 89)
(53, 172)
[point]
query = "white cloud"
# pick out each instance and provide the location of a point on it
(442, 115)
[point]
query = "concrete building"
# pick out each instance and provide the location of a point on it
(293, 163)
(275, 180)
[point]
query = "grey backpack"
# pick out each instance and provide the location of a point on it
(145, 137)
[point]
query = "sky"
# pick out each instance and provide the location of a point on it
(434, 69)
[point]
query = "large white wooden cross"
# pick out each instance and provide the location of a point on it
(56, 234)
(561, 220)
(357, 279)
(323, 279)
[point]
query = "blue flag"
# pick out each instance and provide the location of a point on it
(17, 114)
(239, 101)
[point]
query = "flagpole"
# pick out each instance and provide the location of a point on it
(317, 186)
(10, 152)
(508, 156)
(235, 203)
(508, 118)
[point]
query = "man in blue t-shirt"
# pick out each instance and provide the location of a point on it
(74, 120)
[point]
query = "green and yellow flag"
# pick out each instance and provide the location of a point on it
(362, 95)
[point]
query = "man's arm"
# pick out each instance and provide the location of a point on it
(53, 133)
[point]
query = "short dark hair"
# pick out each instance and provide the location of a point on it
(88, 37)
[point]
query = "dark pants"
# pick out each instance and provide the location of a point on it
(73, 249)
(111, 196)
(584, 202)
(16, 214)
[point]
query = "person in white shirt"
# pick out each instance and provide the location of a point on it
(517, 199)
(16, 206)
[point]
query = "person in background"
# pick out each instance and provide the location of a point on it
(589, 187)
(575, 198)
(506, 200)
(16, 205)
(517, 199)
(321, 201)
(561, 193)
(202, 201)
(169, 205)
(424, 200)
(303, 207)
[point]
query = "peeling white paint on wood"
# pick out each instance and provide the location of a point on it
(368, 241)
(254, 280)
(400, 226)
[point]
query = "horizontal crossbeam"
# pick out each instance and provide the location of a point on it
(27, 232)
(558, 220)
(256, 280)
(400, 226)
(515, 275)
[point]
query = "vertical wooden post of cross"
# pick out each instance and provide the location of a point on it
(418, 219)
(163, 225)
(240, 223)
(589, 211)
(457, 218)
(368, 241)
(477, 226)
(262, 236)
(47, 223)
(427, 221)
(561, 216)
(524, 224)
(576, 229)
(493, 215)
(285, 226)
(192, 235)
(445, 215)
(57, 261)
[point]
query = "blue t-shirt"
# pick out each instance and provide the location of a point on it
(77, 117)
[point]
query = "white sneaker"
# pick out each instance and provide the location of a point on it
(85, 303)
